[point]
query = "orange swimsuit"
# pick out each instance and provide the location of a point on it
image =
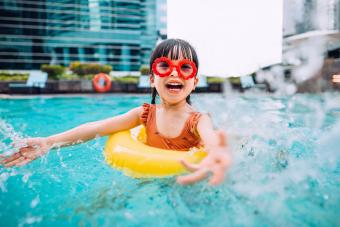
(187, 139)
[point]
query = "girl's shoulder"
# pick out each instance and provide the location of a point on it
(198, 113)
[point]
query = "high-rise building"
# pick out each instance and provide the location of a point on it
(121, 33)
(302, 16)
(311, 43)
(162, 19)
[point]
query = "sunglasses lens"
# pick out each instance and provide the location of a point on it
(187, 69)
(162, 67)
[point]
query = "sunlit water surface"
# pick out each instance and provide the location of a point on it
(285, 166)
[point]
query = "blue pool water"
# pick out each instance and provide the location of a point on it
(285, 166)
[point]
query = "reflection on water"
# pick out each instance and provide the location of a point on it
(285, 166)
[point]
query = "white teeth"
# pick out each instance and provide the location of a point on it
(174, 83)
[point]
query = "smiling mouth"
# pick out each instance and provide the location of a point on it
(174, 86)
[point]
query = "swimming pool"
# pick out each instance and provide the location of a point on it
(285, 170)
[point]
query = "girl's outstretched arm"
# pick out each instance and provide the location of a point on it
(104, 127)
(33, 148)
(217, 160)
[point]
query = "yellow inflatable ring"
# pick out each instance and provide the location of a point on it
(138, 160)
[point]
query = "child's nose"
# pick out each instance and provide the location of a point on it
(174, 72)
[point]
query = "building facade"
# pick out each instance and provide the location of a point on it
(301, 16)
(310, 50)
(311, 43)
(119, 33)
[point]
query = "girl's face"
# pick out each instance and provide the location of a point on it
(173, 88)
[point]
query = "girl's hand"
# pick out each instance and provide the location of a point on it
(33, 148)
(217, 161)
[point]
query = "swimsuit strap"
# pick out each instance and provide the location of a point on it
(145, 116)
(192, 123)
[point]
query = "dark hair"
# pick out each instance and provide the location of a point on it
(167, 48)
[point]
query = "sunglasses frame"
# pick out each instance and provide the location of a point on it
(172, 66)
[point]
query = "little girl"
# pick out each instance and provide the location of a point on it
(171, 124)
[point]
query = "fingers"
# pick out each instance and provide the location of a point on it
(24, 162)
(216, 164)
(222, 138)
(224, 162)
(18, 161)
(189, 166)
(19, 157)
(14, 162)
(218, 176)
(11, 158)
(28, 151)
(194, 177)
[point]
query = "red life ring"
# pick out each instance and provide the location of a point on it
(101, 82)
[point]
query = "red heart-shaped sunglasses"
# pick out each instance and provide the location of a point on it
(163, 67)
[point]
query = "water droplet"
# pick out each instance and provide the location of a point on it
(35, 202)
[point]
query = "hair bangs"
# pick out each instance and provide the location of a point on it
(174, 49)
(179, 51)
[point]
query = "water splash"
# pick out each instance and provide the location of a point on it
(282, 173)
(7, 136)
(30, 220)
(311, 55)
